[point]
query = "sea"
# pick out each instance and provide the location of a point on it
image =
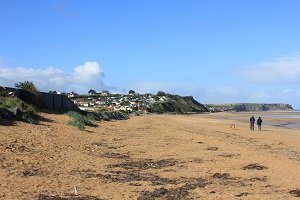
(286, 119)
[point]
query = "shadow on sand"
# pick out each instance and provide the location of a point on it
(6, 122)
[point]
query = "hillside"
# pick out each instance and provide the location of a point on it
(178, 104)
(245, 107)
(154, 103)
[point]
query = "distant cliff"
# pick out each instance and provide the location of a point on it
(245, 107)
(178, 104)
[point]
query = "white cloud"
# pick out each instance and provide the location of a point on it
(284, 70)
(87, 71)
(81, 79)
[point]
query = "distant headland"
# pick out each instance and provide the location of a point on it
(248, 107)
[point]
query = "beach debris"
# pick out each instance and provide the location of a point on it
(174, 193)
(164, 193)
(198, 160)
(115, 155)
(242, 194)
(135, 184)
(212, 148)
(263, 179)
(295, 192)
(132, 176)
(146, 164)
(196, 183)
(33, 171)
(67, 197)
(229, 155)
(254, 166)
(99, 144)
(75, 190)
(221, 176)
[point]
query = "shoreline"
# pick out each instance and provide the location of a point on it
(283, 119)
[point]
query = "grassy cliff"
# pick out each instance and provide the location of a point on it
(244, 107)
(178, 104)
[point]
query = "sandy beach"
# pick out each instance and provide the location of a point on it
(150, 157)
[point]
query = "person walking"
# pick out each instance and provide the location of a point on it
(252, 121)
(259, 122)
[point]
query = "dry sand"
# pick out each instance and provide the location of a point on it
(149, 157)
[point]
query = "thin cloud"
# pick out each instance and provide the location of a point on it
(260, 97)
(222, 94)
(289, 94)
(59, 7)
(1, 61)
(225, 91)
(83, 77)
(284, 69)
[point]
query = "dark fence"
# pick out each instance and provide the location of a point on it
(56, 102)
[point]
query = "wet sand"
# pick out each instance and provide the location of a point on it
(150, 157)
(286, 119)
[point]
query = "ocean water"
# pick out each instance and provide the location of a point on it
(296, 126)
(285, 123)
(283, 119)
(284, 116)
(287, 119)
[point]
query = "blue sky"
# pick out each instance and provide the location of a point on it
(217, 51)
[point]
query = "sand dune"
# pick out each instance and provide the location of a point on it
(149, 157)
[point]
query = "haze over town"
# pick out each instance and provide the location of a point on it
(218, 52)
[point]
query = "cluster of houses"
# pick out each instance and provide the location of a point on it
(118, 102)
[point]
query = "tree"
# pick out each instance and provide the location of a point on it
(131, 92)
(161, 93)
(28, 86)
(92, 91)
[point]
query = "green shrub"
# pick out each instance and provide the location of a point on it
(80, 120)
(25, 112)
(77, 123)
(111, 115)
(3, 93)
(9, 102)
(29, 117)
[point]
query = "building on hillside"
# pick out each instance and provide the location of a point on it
(104, 93)
(72, 94)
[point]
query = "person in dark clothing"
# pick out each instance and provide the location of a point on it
(252, 121)
(259, 122)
